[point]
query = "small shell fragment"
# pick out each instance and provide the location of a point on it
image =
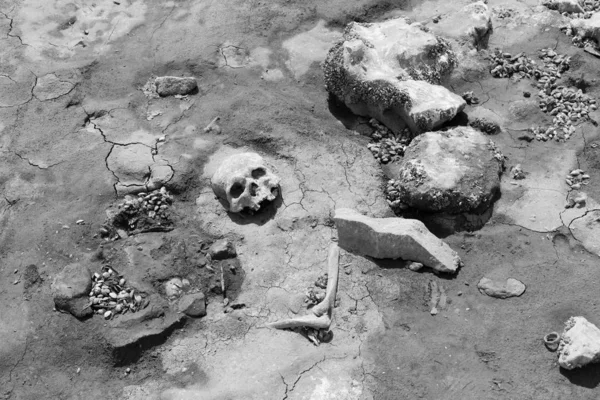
(107, 314)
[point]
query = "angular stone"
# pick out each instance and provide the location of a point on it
(587, 28)
(471, 22)
(501, 289)
(568, 6)
(454, 171)
(393, 238)
(579, 344)
(71, 288)
(193, 305)
(222, 250)
(389, 71)
(172, 85)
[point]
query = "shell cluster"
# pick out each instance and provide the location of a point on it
(385, 146)
(577, 178)
(505, 65)
(154, 204)
(567, 106)
(110, 294)
(392, 194)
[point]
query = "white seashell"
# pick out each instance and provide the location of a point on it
(107, 314)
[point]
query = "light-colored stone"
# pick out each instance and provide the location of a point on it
(193, 305)
(579, 344)
(501, 289)
(472, 23)
(173, 288)
(390, 71)
(454, 171)
(587, 28)
(393, 238)
(222, 249)
(568, 6)
(172, 85)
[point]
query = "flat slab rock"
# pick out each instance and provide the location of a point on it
(141, 329)
(390, 71)
(501, 289)
(393, 238)
(454, 171)
(587, 28)
(579, 344)
(70, 290)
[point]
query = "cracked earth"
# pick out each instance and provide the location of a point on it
(78, 133)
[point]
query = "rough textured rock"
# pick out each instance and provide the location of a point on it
(579, 344)
(569, 6)
(222, 249)
(172, 85)
(130, 333)
(71, 288)
(454, 171)
(587, 28)
(393, 238)
(193, 305)
(389, 71)
(472, 22)
(501, 289)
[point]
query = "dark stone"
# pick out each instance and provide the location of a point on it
(193, 305)
(31, 277)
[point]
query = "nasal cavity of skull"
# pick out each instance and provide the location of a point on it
(258, 173)
(253, 187)
(237, 189)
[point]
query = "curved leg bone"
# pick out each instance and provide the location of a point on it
(321, 313)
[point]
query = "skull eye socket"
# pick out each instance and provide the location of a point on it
(258, 173)
(237, 189)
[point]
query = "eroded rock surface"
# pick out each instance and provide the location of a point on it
(70, 290)
(390, 71)
(222, 249)
(501, 289)
(172, 85)
(580, 343)
(568, 6)
(393, 238)
(587, 28)
(454, 171)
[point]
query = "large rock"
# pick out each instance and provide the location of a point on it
(472, 22)
(587, 28)
(71, 288)
(454, 171)
(579, 344)
(389, 71)
(568, 6)
(393, 238)
(501, 289)
(172, 85)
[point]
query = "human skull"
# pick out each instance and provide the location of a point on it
(245, 181)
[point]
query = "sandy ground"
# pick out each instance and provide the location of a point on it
(76, 131)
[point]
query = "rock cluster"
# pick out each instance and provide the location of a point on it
(454, 171)
(580, 344)
(390, 71)
(385, 145)
(110, 295)
(141, 213)
(395, 238)
(577, 178)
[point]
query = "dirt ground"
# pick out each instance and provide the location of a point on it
(75, 125)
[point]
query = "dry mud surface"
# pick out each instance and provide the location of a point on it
(77, 132)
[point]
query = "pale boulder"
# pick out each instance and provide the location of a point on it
(501, 289)
(393, 238)
(580, 344)
(587, 28)
(390, 71)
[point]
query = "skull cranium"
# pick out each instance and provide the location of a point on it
(245, 181)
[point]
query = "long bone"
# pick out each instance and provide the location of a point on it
(321, 313)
